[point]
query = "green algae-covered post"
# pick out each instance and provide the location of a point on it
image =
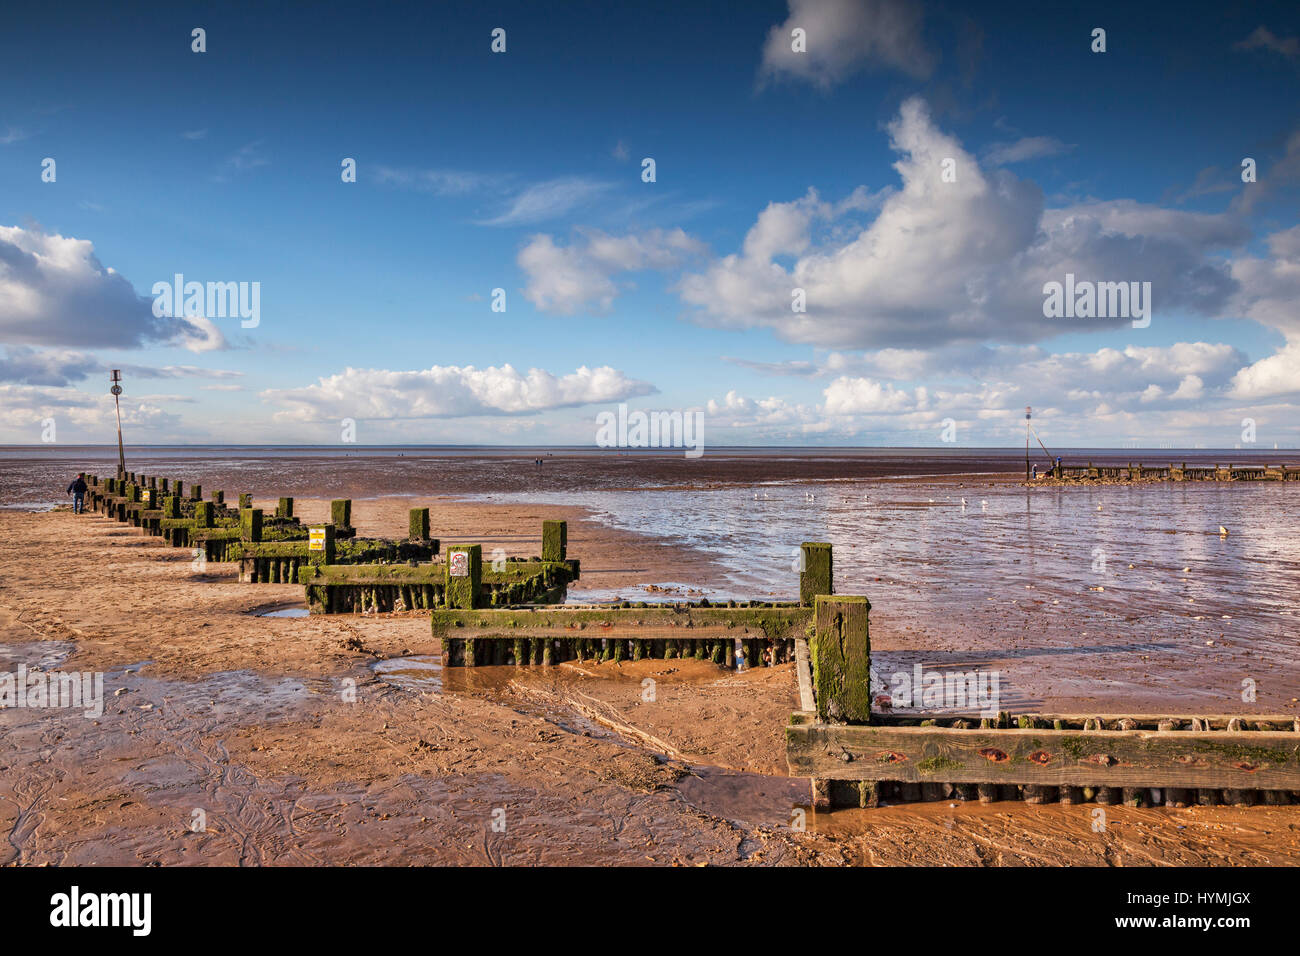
(464, 575)
(196, 492)
(340, 512)
(285, 508)
(250, 524)
(320, 544)
(203, 514)
(218, 498)
(817, 576)
(171, 507)
(841, 658)
(419, 525)
(555, 540)
(179, 490)
(245, 502)
(147, 499)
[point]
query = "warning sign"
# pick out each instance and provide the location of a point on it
(316, 539)
(459, 564)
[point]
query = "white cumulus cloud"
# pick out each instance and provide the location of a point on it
(845, 36)
(450, 391)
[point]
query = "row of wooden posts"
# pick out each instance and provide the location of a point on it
(341, 573)
(311, 555)
(1173, 472)
(511, 612)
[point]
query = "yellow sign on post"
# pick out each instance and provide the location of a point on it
(316, 539)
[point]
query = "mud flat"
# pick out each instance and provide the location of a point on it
(304, 740)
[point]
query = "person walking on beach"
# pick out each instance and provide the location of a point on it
(78, 491)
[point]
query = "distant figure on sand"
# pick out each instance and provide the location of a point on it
(1033, 472)
(78, 491)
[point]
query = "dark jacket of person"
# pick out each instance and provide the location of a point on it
(78, 487)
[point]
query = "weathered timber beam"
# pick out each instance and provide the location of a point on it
(841, 658)
(777, 621)
(817, 573)
(1136, 758)
(371, 574)
(555, 540)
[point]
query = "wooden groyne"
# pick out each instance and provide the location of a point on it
(279, 558)
(755, 632)
(270, 548)
(505, 611)
(1109, 474)
(472, 632)
(855, 757)
(334, 587)
(342, 573)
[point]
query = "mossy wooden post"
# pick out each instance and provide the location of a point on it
(555, 540)
(196, 492)
(817, 575)
(179, 490)
(203, 514)
(320, 544)
(148, 499)
(162, 485)
(340, 512)
(250, 524)
(285, 508)
(218, 498)
(464, 575)
(171, 507)
(419, 526)
(841, 658)
(245, 502)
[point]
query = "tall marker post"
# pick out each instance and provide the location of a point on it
(117, 391)
(1028, 412)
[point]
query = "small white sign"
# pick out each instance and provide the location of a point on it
(459, 564)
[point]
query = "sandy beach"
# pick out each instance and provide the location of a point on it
(333, 740)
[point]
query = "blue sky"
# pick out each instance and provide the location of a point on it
(775, 169)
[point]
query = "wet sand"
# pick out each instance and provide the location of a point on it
(249, 719)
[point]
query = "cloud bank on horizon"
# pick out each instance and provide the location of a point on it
(870, 286)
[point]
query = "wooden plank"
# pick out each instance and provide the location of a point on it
(803, 668)
(1213, 721)
(680, 621)
(370, 575)
(841, 654)
(1254, 760)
